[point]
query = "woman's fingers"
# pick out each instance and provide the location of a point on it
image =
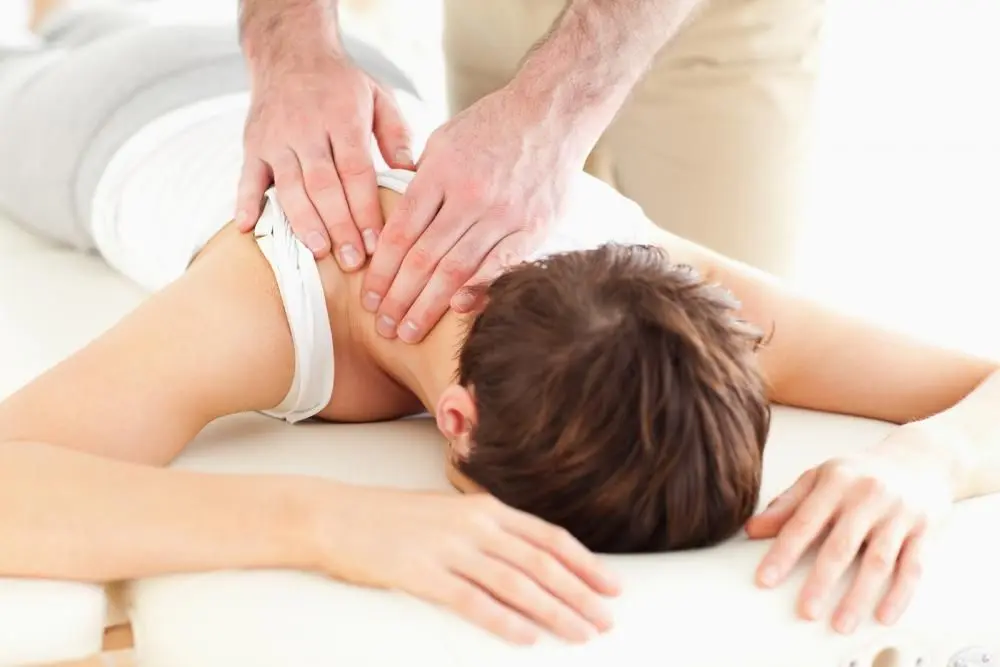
(808, 520)
(863, 511)
(523, 593)
(877, 566)
(767, 524)
(554, 577)
(558, 542)
(453, 591)
(909, 570)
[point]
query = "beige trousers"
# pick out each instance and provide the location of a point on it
(711, 142)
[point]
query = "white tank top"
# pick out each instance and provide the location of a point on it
(172, 187)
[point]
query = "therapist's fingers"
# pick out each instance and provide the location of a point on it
(451, 273)
(412, 215)
(255, 179)
(424, 273)
(291, 191)
(392, 132)
(322, 185)
(352, 155)
(505, 254)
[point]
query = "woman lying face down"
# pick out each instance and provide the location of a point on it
(605, 390)
(615, 394)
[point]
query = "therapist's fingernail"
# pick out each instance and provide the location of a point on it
(404, 156)
(408, 332)
(370, 237)
(350, 256)
(463, 302)
(241, 218)
(769, 577)
(315, 242)
(386, 326)
(371, 301)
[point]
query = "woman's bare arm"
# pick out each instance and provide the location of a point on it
(822, 359)
(80, 497)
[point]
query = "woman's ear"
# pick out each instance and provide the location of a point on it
(456, 418)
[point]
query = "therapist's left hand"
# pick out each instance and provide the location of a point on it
(488, 185)
(876, 507)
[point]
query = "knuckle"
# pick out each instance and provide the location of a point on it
(879, 559)
(455, 270)
(872, 487)
(799, 524)
(421, 259)
(562, 540)
(512, 582)
(542, 565)
(841, 547)
(834, 472)
(463, 598)
(911, 569)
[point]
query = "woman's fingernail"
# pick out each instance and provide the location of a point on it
(386, 326)
(404, 156)
(241, 218)
(370, 237)
(371, 301)
(350, 256)
(769, 576)
(846, 623)
(315, 242)
(463, 302)
(408, 332)
(811, 608)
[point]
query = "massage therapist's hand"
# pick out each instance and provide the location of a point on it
(502, 569)
(876, 507)
(309, 129)
(487, 186)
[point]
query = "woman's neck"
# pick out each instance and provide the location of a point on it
(426, 368)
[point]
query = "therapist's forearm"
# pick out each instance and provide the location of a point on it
(281, 33)
(69, 515)
(580, 75)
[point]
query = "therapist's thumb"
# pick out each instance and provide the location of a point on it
(391, 132)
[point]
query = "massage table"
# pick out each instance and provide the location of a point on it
(698, 608)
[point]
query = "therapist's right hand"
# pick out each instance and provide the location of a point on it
(312, 116)
(506, 571)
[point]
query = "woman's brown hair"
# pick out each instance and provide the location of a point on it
(618, 396)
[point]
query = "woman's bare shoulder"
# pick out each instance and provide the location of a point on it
(214, 342)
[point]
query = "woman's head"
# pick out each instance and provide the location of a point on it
(616, 395)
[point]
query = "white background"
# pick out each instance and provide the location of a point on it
(905, 187)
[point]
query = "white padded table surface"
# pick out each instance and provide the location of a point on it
(691, 609)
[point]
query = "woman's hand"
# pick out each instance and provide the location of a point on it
(506, 571)
(878, 507)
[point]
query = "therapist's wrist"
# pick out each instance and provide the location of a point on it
(286, 34)
(568, 134)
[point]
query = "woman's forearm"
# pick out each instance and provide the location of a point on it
(70, 515)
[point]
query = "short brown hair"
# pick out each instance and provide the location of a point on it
(619, 397)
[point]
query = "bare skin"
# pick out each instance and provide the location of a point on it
(85, 496)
